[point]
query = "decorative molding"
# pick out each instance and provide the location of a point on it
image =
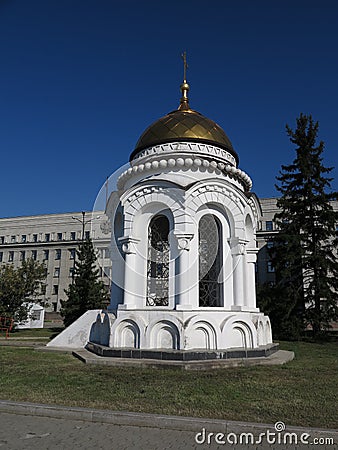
(106, 226)
(187, 147)
(178, 162)
(183, 240)
(128, 244)
(237, 246)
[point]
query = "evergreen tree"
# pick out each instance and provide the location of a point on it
(304, 254)
(87, 291)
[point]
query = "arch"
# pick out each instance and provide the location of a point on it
(201, 335)
(268, 332)
(210, 261)
(164, 334)
(260, 334)
(154, 198)
(158, 254)
(238, 333)
(225, 197)
(127, 334)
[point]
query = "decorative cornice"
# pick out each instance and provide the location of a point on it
(128, 244)
(178, 162)
(194, 148)
(183, 240)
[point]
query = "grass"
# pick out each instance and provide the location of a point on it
(303, 392)
(47, 333)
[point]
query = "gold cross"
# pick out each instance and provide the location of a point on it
(185, 66)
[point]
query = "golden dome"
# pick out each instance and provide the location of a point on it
(184, 125)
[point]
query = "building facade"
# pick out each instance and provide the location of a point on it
(53, 239)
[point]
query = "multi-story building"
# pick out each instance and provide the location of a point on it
(53, 240)
(265, 272)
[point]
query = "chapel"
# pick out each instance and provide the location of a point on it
(183, 244)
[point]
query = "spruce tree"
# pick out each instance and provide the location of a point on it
(87, 291)
(304, 254)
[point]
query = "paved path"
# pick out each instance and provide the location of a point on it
(29, 426)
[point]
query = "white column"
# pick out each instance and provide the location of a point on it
(183, 281)
(131, 298)
(250, 281)
(238, 260)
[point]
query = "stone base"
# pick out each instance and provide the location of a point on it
(182, 355)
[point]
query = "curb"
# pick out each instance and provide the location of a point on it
(149, 420)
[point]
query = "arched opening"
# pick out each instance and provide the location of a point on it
(210, 260)
(158, 262)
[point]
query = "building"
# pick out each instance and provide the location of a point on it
(53, 239)
(183, 247)
(265, 272)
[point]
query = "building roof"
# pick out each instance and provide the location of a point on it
(184, 125)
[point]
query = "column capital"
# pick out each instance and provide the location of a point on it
(237, 245)
(128, 244)
(251, 255)
(183, 240)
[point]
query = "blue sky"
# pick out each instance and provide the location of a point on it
(80, 80)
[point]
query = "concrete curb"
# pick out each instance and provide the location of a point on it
(150, 420)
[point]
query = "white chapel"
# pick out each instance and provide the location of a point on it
(183, 243)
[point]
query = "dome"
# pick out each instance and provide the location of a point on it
(184, 124)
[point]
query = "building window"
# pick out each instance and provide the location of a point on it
(1, 256)
(55, 289)
(58, 254)
(72, 235)
(270, 243)
(13, 239)
(107, 252)
(45, 255)
(23, 238)
(57, 272)
(34, 254)
(270, 267)
(10, 256)
(43, 289)
(71, 272)
(2, 239)
(269, 225)
(210, 258)
(87, 235)
(47, 237)
(35, 238)
(59, 236)
(72, 253)
(22, 255)
(158, 262)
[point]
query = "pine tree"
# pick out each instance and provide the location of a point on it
(87, 291)
(304, 255)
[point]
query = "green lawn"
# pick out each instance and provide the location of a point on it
(48, 333)
(303, 392)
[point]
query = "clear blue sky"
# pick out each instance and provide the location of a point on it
(80, 80)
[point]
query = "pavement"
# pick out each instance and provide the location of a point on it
(29, 426)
